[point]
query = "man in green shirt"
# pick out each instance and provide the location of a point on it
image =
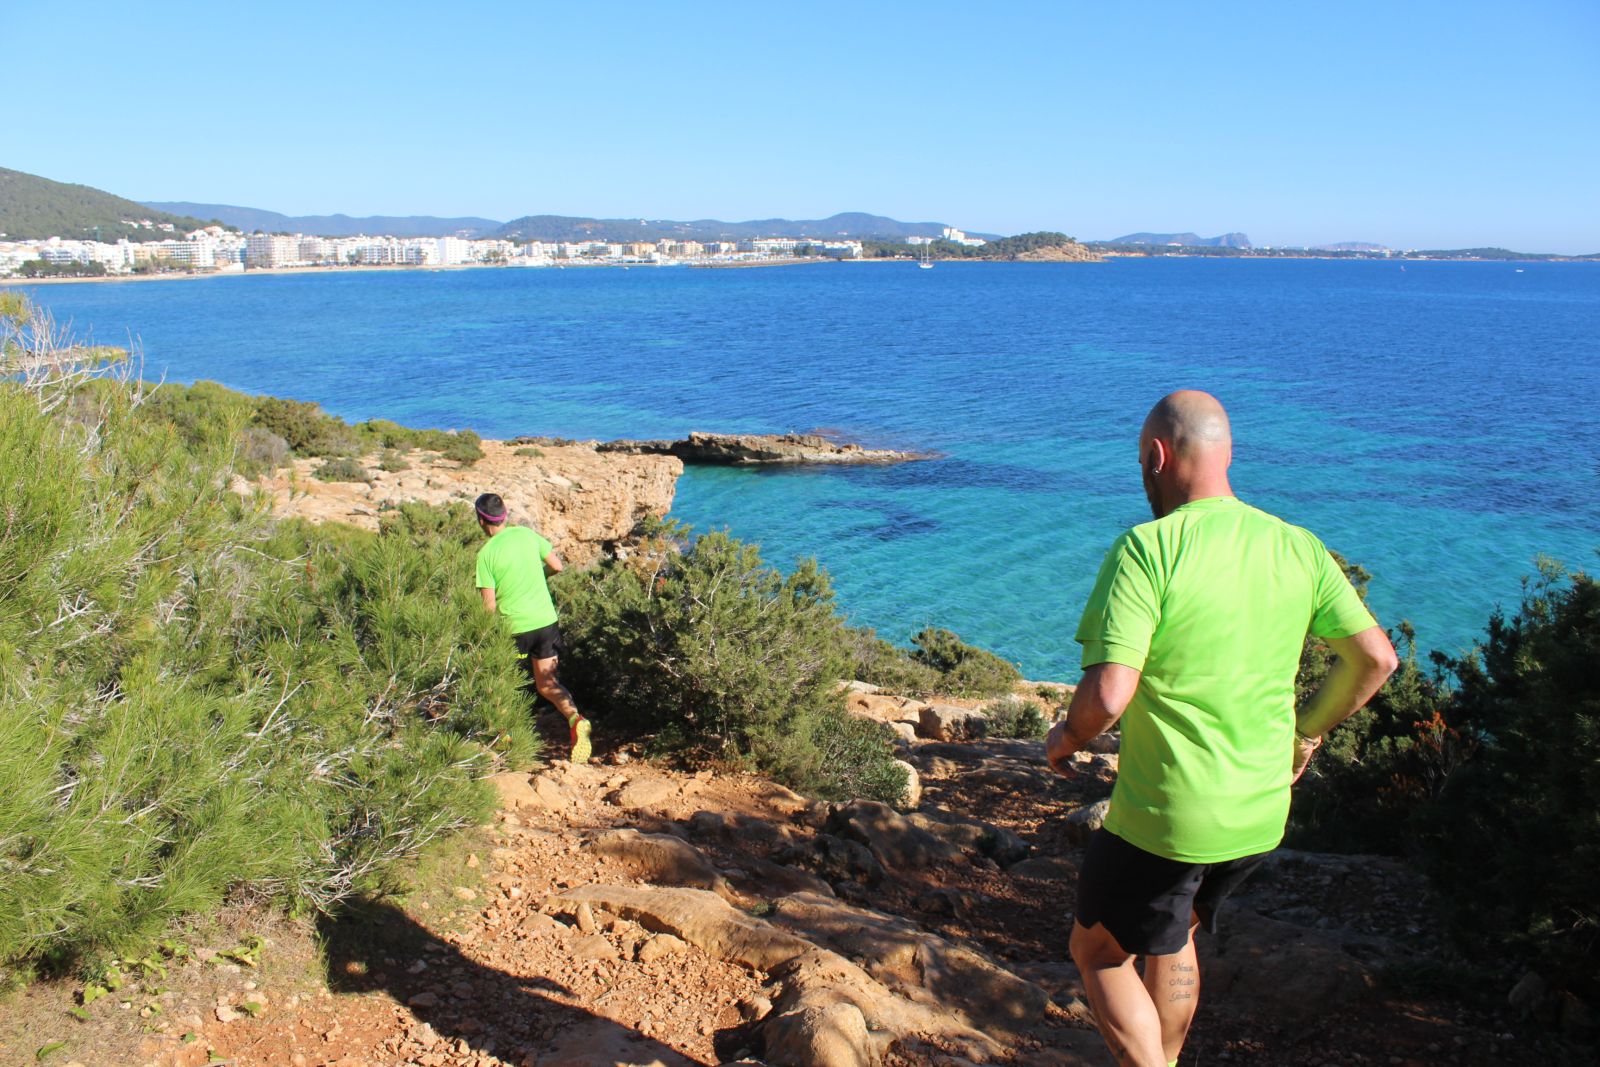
(1194, 630)
(511, 580)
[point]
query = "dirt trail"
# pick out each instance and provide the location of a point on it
(626, 915)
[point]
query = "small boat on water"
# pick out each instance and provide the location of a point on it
(926, 262)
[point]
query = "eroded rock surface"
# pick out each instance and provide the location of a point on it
(585, 501)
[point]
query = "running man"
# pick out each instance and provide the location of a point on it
(1194, 629)
(511, 579)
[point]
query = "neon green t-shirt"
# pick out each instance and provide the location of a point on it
(512, 564)
(1212, 603)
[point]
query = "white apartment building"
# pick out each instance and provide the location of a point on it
(771, 246)
(955, 236)
(197, 254)
(379, 251)
(454, 250)
(316, 250)
(271, 250)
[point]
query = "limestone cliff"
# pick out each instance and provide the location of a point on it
(585, 502)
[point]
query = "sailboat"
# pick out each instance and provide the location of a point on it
(926, 262)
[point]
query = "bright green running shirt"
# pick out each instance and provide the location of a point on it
(512, 564)
(1212, 604)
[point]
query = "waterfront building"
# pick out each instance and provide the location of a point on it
(271, 250)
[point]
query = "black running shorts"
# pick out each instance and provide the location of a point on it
(1145, 900)
(543, 643)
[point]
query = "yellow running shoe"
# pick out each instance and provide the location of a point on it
(581, 748)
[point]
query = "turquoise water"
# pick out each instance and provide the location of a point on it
(1436, 424)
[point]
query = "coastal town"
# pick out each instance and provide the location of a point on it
(216, 249)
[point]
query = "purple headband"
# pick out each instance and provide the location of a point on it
(492, 520)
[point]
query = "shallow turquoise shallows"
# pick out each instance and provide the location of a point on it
(1436, 424)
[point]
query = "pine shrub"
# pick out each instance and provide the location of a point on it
(342, 469)
(309, 430)
(714, 652)
(1519, 823)
(964, 670)
(887, 666)
(463, 447)
(1485, 768)
(1015, 716)
(195, 705)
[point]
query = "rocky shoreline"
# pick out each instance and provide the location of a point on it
(587, 503)
(751, 449)
(588, 497)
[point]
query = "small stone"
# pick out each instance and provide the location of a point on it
(594, 947)
(226, 1014)
(585, 917)
(472, 861)
(659, 946)
(424, 1000)
(754, 1007)
(463, 893)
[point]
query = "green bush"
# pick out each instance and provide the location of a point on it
(1486, 768)
(194, 705)
(1014, 716)
(306, 427)
(393, 461)
(342, 469)
(386, 434)
(1519, 821)
(712, 651)
(529, 452)
(261, 452)
(463, 447)
(853, 761)
(882, 664)
(964, 669)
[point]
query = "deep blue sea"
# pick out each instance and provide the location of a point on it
(1437, 424)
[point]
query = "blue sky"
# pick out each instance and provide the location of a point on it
(1413, 124)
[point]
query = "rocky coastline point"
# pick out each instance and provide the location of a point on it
(752, 449)
(588, 503)
(588, 497)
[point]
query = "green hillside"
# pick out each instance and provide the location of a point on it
(34, 207)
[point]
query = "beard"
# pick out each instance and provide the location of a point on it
(1152, 492)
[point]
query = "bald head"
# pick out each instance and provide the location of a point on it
(1190, 422)
(1184, 450)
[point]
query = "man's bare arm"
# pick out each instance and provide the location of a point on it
(1365, 661)
(1101, 698)
(488, 600)
(553, 564)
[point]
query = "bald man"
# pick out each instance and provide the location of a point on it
(1191, 640)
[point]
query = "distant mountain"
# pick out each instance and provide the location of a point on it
(251, 219)
(34, 207)
(1187, 240)
(849, 225)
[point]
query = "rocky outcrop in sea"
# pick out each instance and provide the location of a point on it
(753, 449)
